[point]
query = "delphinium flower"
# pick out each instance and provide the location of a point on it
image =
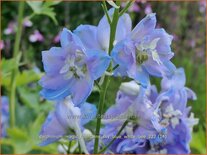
(175, 114)
(4, 115)
(67, 120)
(163, 123)
(133, 103)
(36, 37)
(97, 37)
(71, 69)
(145, 51)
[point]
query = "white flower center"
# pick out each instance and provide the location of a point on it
(74, 66)
(171, 116)
(144, 50)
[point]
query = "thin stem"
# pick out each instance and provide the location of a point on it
(69, 146)
(79, 149)
(19, 28)
(126, 8)
(118, 133)
(106, 82)
(100, 109)
(97, 84)
(106, 12)
(113, 27)
(15, 70)
(115, 67)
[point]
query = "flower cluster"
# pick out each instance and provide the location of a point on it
(159, 122)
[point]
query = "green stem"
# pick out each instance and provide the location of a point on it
(126, 8)
(106, 82)
(105, 11)
(118, 133)
(15, 70)
(19, 28)
(113, 28)
(69, 146)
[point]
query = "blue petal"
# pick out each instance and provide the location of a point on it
(53, 83)
(88, 36)
(159, 70)
(103, 33)
(163, 45)
(53, 60)
(124, 26)
(176, 80)
(145, 26)
(81, 89)
(88, 112)
(191, 94)
(67, 114)
(140, 75)
(130, 146)
(124, 53)
(97, 62)
(67, 38)
(123, 103)
(51, 130)
(58, 94)
(178, 139)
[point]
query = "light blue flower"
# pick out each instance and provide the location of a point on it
(163, 122)
(174, 90)
(97, 37)
(133, 104)
(145, 51)
(66, 120)
(71, 69)
(175, 115)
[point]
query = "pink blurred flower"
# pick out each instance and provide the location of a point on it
(11, 28)
(36, 37)
(134, 8)
(57, 38)
(174, 8)
(2, 45)
(192, 43)
(141, 1)
(202, 6)
(148, 9)
(27, 23)
(175, 37)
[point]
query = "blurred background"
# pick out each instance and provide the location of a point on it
(186, 21)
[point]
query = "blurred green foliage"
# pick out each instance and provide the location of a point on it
(184, 20)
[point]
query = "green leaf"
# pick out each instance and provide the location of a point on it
(23, 78)
(17, 134)
(48, 11)
(19, 140)
(27, 76)
(46, 8)
(28, 98)
(35, 128)
(7, 65)
(35, 5)
(198, 141)
(51, 3)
